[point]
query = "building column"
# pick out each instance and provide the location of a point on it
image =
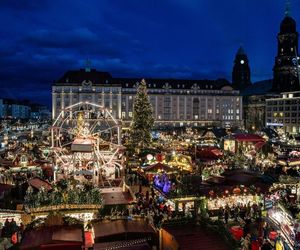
(54, 107)
(214, 108)
(178, 111)
(110, 100)
(185, 107)
(156, 107)
(71, 102)
(62, 103)
(119, 105)
(205, 108)
(102, 99)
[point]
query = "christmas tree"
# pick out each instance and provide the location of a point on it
(142, 120)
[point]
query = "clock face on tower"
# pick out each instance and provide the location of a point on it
(242, 61)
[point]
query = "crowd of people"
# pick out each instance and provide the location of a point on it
(240, 212)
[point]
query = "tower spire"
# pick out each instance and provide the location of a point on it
(287, 11)
(88, 65)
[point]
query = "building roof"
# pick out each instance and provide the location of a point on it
(77, 77)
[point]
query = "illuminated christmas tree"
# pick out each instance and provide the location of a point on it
(142, 121)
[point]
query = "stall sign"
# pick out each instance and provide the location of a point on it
(268, 204)
(229, 145)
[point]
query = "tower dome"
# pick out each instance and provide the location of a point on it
(288, 25)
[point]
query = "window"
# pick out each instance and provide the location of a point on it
(123, 114)
(130, 114)
(209, 111)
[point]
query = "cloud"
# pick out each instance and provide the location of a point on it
(62, 39)
(21, 5)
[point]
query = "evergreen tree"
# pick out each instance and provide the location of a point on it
(142, 120)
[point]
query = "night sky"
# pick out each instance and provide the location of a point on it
(192, 39)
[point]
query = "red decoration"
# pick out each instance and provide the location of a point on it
(272, 235)
(237, 190)
(160, 157)
(237, 232)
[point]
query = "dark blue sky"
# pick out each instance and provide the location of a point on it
(41, 39)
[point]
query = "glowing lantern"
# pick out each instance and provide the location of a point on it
(149, 157)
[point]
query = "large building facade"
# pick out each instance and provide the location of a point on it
(284, 111)
(174, 102)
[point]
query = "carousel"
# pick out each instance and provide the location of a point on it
(86, 141)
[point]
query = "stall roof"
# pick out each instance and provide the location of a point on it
(104, 229)
(37, 183)
(115, 244)
(51, 235)
(117, 198)
(248, 137)
(158, 167)
(193, 237)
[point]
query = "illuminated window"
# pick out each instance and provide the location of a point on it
(130, 114)
(130, 97)
(237, 111)
(209, 111)
(237, 117)
(123, 114)
(217, 111)
(275, 114)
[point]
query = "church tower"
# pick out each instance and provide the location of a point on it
(241, 70)
(286, 67)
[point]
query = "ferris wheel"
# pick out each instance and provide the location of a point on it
(86, 139)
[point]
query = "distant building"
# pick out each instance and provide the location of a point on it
(38, 112)
(286, 67)
(1, 108)
(241, 70)
(175, 102)
(15, 109)
(285, 79)
(284, 111)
